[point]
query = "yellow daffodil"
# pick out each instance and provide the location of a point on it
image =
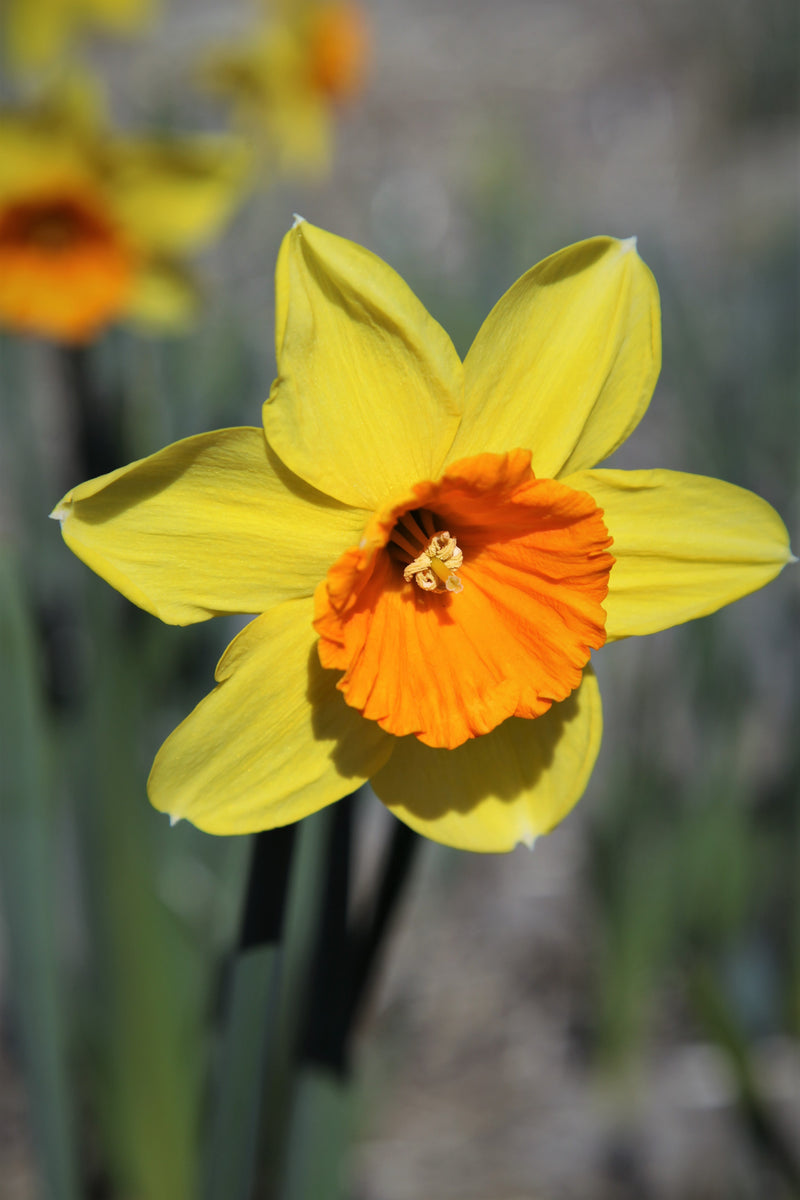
(309, 56)
(429, 549)
(38, 32)
(93, 227)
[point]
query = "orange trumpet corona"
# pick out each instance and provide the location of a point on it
(448, 663)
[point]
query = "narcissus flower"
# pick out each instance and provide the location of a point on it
(432, 556)
(93, 227)
(39, 32)
(286, 80)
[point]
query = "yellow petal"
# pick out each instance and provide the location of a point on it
(39, 31)
(55, 143)
(164, 294)
(36, 31)
(684, 545)
(506, 787)
(36, 154)
(269, 83)
(210, 525)
(566, 361)
(300, 131)
(368, 393)
(273, 742)
(120, 15)
(174, 195)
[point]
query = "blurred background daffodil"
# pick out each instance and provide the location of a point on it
(94, 226)
(284, 83)
(39, 33)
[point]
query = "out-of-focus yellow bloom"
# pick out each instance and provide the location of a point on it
(286, 79)
(429, 549)
(93, 226)
(38, 32)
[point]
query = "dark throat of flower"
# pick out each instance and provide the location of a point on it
(51, 224)
(430, 557)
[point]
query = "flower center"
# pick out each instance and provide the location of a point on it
(65, 269)
(51, 223)
(520, 634)
(432, 558)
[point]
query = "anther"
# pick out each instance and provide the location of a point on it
(435, 570)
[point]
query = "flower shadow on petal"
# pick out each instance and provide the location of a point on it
(137, 484)
(507, 786)
(298, 487)
(483, 768)
(118, 492)
(360, 747)
(563, 265)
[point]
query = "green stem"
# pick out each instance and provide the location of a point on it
(265, 903)
(369, 938)
(250, 1019)
(98, 424)
(346, 957)
(325, 1098)
(324, 1039)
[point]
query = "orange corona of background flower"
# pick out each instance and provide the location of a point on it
(432, 555)
(66, 268)
(338, 42)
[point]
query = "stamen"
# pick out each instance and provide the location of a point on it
(435, 569)
(413, 528)
(403, 543)
(427, 520)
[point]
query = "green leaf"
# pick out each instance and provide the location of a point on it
(26, 878)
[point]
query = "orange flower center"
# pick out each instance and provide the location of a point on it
(476, 599)
(338, 46)
(65, 269)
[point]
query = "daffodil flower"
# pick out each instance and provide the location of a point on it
(39, 32)
(93, 228)
(432, 555)
(284, 82)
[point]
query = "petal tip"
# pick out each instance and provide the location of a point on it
(297, 220)
(173, 819)
(60, 512)
(628, 244)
